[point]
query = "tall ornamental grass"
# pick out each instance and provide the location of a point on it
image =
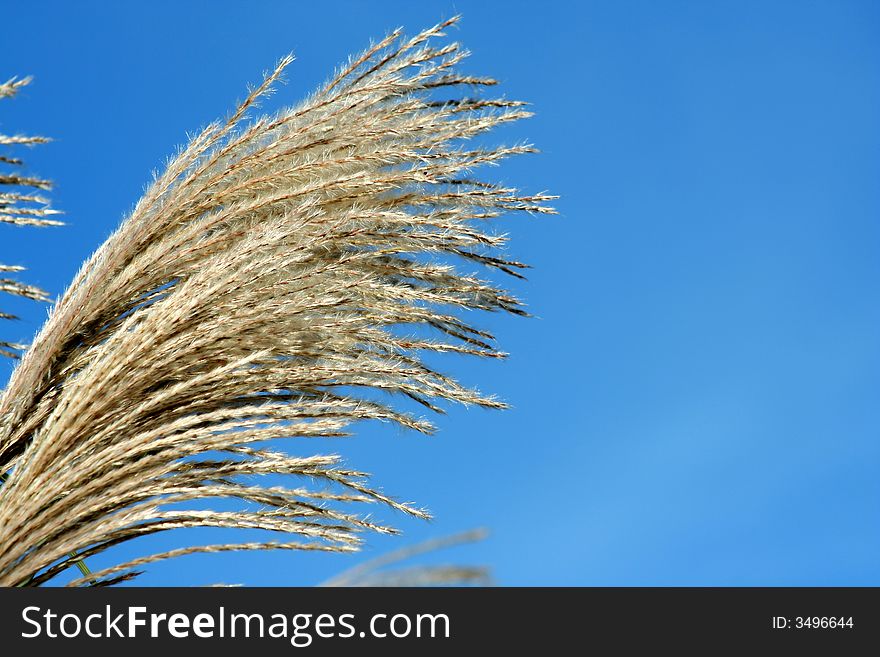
(279, 271)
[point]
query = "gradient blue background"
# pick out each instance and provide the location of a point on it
(697, 402)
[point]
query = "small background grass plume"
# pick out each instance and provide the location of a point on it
(22, 203)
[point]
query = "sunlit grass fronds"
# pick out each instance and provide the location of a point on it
(276, 266)
(20, 205)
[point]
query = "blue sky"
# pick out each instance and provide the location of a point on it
(696, 402)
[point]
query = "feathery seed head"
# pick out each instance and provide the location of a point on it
(20, 206)
(268, 273)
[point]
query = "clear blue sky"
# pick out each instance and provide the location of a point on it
(697, 401)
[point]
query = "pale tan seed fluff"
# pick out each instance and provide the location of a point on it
(276, 267)
(21, 204)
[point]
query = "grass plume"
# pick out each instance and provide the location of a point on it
(21, 204)
(267, 275)
(385, 570)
